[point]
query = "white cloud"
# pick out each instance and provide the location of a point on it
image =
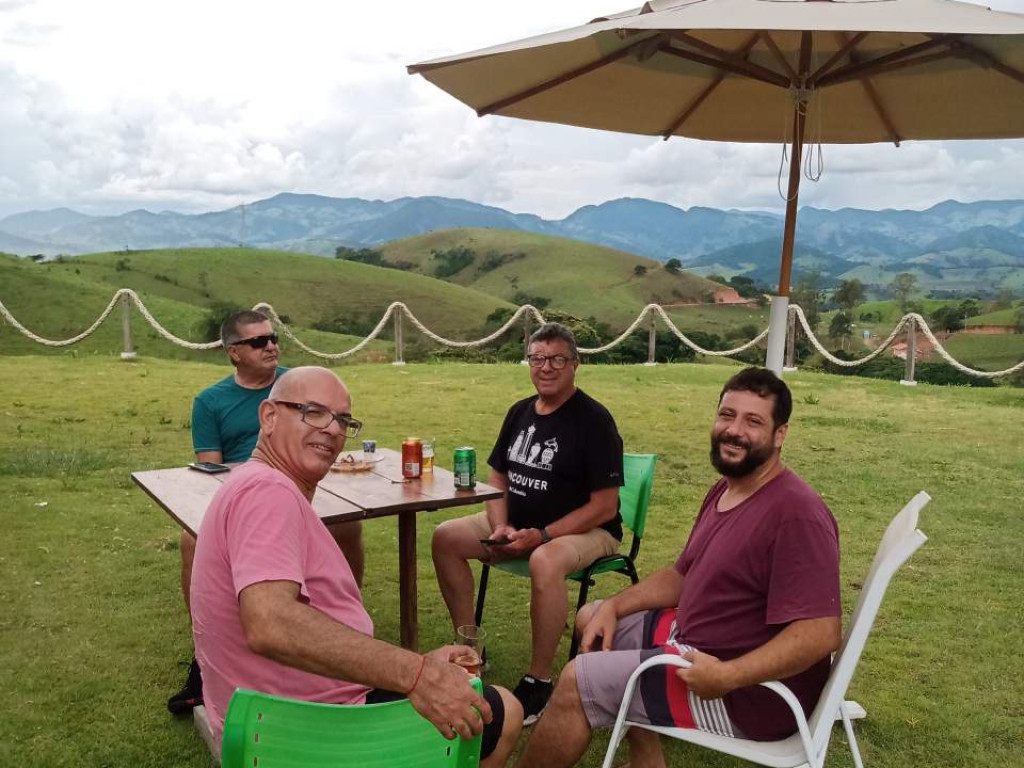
(195, 105)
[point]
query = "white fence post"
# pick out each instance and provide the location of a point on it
(651, 341)
(399, 351)
(790, 342)
(908, 370)
(126, 327)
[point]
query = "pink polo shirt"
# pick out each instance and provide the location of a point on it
(259, 527)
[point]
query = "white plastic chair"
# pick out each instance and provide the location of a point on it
(807, 747)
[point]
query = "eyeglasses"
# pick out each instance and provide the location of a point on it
(557, 361)
(258, 342)
(319, 417)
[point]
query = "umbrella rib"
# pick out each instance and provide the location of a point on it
(872, 93)
(779, 56)
(990, 60)
(895, 65)
(722, 60)
(734, 67)
(883, 63)
(564, 78)
(852, 43)
(695, 104)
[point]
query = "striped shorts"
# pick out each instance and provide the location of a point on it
(660, 697)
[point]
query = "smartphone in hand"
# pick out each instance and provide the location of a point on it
(209, 467)
(499, 542)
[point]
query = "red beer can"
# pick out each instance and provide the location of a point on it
(412, 457)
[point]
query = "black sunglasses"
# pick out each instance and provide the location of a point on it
(258, 342)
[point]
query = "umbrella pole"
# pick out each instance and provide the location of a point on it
(779, 306)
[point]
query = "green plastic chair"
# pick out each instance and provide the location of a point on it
(634, 498)
(264, 731)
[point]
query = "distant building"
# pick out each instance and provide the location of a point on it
(923, 348)
(728, 296)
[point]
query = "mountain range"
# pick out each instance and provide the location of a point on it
(952, 246)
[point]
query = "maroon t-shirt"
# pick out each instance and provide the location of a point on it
(749, 572)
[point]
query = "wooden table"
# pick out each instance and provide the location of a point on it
(341, 496)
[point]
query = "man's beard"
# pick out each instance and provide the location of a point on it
(755, 457)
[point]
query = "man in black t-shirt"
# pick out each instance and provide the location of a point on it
(559, 459)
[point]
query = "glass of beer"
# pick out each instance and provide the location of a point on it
(428, 455)
(472, 636)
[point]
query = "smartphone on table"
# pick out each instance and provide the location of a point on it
(209, 467)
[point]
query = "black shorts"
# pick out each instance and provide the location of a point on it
(492, 730)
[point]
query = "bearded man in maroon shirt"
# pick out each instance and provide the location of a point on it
(753, 596)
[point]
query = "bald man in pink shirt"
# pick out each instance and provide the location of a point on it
(275, 606)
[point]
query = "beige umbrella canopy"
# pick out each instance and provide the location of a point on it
(833, 71)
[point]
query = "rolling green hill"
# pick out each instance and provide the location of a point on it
(582, 279)
(1005, 316)
(60, 299)
(306, 288)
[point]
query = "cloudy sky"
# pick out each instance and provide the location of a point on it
(111, 105)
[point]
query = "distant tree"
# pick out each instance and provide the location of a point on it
(947, 318)
(362, 255)
(37, 257)
(903, 287)
(745, 287)
(452, 260)
(639, 270)
(808, 294)
(969, 308)
(493, 259)
(841, 327)
(1018, 320)
(1003, 300)
(718, 279)
(673, 266)
(217, 313)
(849, 294)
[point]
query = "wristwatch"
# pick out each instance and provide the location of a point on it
(544, 537)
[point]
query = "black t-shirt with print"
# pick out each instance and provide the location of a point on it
(554, 462)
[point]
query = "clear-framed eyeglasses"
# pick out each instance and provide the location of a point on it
(319, 417)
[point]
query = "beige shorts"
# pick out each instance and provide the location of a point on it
(587, 546)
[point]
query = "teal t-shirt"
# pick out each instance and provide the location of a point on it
(226, 418)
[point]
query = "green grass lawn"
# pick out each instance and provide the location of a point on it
(94, 636)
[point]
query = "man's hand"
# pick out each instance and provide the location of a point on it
(444, 696)
(499, 551)
(600, 631)
(524, 541)
(709, 677)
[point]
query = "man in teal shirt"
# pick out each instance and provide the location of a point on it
(225, 427)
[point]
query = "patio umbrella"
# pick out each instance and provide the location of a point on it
(824, 71)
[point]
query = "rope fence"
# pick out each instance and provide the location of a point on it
(909, 325)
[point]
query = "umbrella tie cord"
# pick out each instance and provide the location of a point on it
(814, 160)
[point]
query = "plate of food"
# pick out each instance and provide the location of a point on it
(351, 462)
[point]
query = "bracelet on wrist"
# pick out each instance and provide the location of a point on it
(419, 674)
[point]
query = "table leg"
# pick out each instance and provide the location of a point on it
(407, 579)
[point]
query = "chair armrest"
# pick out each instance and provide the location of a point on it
(814, 760)
(667, 659)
